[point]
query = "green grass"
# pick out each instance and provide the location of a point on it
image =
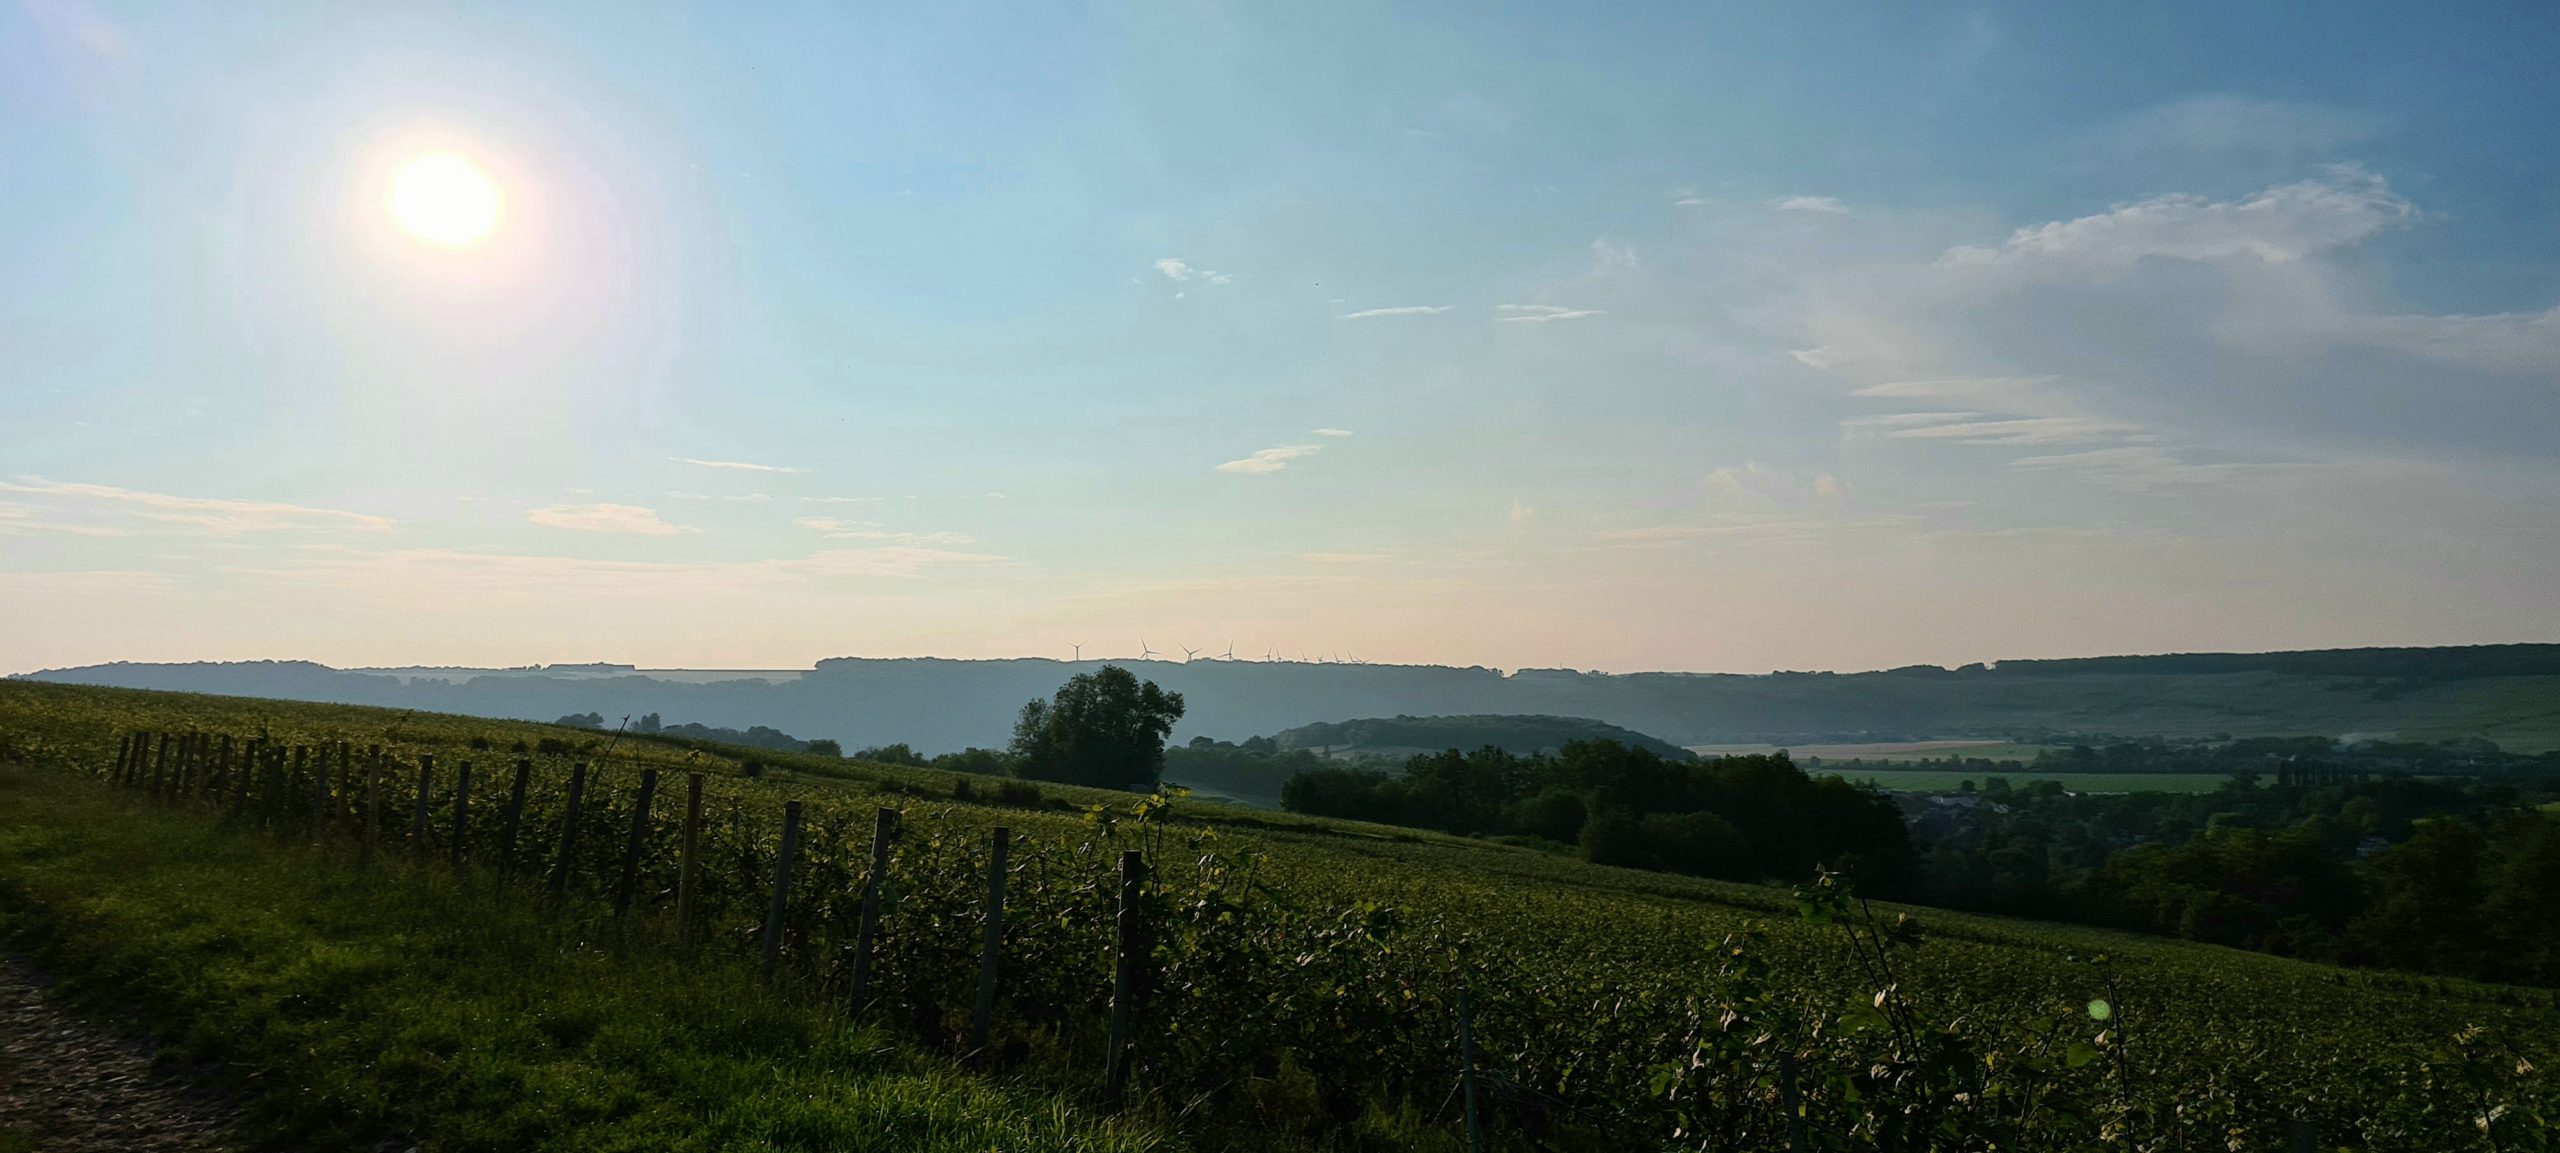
(397, 1002)
(1948, 780)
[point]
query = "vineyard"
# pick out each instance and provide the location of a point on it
(1320, 984)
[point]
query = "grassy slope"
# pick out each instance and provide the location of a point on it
(2200, 1003)
(393, 1001)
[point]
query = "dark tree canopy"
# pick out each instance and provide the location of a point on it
(1104, 728)
(1742, 818)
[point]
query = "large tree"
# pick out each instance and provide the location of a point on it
(1104, 728)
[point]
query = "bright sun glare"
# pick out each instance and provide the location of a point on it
(444, 199)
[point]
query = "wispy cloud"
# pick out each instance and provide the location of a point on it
(612, 518)
(1757, 529)
(83, 504)
(740, 498)
(1954, 387)
(1269, 460)
(1892, 420)
(2145, 467)
(1181, 271)
(1609, 257)
(19, 520)
(1823, 204)
(2028, 430)
(738, 465)
(836, 529)
(1540, 313)
(2280, 225)
(1399, 310)
(1754, 479)
(843, 499)
(1336, 433)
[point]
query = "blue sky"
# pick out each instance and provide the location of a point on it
(1685, 336)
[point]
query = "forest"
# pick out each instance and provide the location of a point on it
(1736, 818)
(2323, 858)
(2445, 876)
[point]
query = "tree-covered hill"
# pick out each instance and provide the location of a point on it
(1511, 734)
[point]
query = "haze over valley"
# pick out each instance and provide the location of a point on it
(2498, 693)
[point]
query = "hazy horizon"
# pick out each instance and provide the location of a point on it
(1733, 340)
(1132, 658)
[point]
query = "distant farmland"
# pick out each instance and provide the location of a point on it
(1948, 780)
(1989, 749)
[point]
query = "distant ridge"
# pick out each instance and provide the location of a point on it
(2460, 662)
(1513, 734)
(2505, 693)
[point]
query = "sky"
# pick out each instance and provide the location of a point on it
(1720, 337)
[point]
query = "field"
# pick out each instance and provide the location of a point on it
(1299, 982)
(1989, 750)
(1947, 780)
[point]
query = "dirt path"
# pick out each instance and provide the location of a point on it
(69, 1086)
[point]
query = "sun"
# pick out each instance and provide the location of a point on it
(443, 199)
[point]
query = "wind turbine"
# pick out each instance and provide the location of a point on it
(1143, 651)
(1187, 653)
(1231, 652)
(1078, 646)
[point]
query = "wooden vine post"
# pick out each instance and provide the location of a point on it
(295, 785)
(1124, 974)
(271, 799)
(372, 799)
(991, 950)
(685, 853)
(632, 845)
(252, 755)
(1467, 1070)
(159, 764)
(1794, 1104)
(461, 813)
(569, 832)
(884, 829)
(513, 822)
(320, 793)
(781, 886)
(418, 811)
